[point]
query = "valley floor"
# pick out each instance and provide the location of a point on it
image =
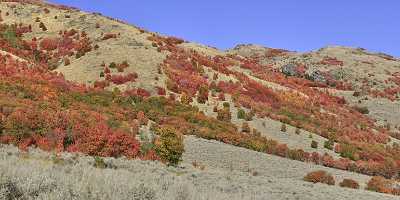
(222, 172)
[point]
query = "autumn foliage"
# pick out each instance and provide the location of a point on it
(41, 109)
(36, 116)
(299, 107)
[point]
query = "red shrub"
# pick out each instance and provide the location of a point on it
(107, 70)
(143, 120)
(122, 79)
(101, 84)
(49, 44)
(161, 91)
(174, 40)
(46, 10)
(142, 92)
(122, 66)
(221, 96)
(331, 61)
(70, 33)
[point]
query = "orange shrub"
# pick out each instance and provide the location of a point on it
(109, 36)
(320, 177)
(349, 183)
(379, 184)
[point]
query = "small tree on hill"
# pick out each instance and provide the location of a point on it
(169, 146)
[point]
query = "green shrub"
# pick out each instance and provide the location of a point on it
(314, 144)
(241, 114)
(348, 151)
(99, 163)
(361, 109)
(113, 65)
(10, 35)
(226, 105)
(329, 144)
(169, 145)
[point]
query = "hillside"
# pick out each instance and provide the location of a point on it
(251, 121)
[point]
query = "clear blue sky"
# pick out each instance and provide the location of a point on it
(299, 25)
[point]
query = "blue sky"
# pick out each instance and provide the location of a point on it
(299, 25)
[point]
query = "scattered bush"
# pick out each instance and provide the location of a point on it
(42, 26)
(202, 97)
(241, 114)
(224, 114)
(161, 91)
(245, 127)
(348, 151)
(349, 183)
(283, 127)
(67, 61)
(362, 109)
(215, 109)
(99, 163)
(320, 177)
(46, 10)
(122, 79)
(109, 36)
(186, 99)
(328, 144)
(379, 184)
(113, 65)
(226, 105)
(314, 144)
